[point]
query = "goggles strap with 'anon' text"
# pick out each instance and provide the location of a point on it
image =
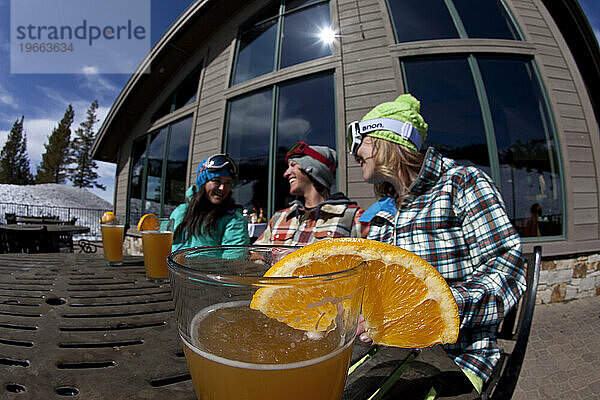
(405, 129)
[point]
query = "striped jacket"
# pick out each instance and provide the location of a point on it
(456, 220)
(299, 226)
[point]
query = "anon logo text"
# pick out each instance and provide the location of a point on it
(371, 127)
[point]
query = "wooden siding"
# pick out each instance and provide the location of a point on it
(369, 74)
(209, 123)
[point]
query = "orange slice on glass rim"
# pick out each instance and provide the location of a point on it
(406, 302)
(148, 222)
(107, 217)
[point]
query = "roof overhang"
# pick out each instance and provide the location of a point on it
(582, 42)
(181, 41)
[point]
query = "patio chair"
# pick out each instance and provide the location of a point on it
(515, 328)
(25, 240)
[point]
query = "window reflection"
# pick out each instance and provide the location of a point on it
(304, 110)
(248, 142)
(527, 152)
(154, 189)
(260, 49)
(184, 95)
(495, 25)
(421, 20)
(305, 113)
(177, 157)
(300, 40)
(156, 153)
(526, 149)
(138, 160)
(447, 19)
(256, 53)
(450, 107)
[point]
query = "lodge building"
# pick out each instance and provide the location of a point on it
(505, 85)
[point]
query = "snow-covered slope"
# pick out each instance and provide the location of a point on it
(51, 194)
(65, 202)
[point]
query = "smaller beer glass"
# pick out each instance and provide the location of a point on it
(112, 240)
(157, 246)
(235, 351)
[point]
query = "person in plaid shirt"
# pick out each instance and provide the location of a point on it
(311, 172)
(451, 215)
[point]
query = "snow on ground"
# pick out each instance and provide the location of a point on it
(48, 199)
(51, 194)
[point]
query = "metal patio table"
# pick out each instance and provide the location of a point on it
(72, 327)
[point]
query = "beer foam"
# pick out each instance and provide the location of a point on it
(195, 347)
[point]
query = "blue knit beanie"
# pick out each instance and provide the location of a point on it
(203, 175)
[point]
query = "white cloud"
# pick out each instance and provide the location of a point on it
(100, 86)
(6, 98)
(92, 69)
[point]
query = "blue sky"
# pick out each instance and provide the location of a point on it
(43, 98)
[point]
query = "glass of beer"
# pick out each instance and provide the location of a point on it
(235, 351)
(112, 240)
(156, 245)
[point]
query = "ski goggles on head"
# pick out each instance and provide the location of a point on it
(302, 149)
(218, 162)
(358, 130)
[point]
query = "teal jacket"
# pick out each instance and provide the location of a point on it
(232, 229)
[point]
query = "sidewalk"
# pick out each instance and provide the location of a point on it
(563, 354)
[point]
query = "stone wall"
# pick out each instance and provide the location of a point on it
(569, 278)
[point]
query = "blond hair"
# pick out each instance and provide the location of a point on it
(399, 165)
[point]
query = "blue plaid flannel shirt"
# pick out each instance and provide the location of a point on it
(456, 220)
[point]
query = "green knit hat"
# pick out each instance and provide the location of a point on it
(405, 108)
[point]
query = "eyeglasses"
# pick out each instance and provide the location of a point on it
(356, 131)
(219, 161)
(301, 148)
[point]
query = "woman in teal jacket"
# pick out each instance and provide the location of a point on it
(210, 217)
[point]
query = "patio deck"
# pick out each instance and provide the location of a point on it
(563, 356)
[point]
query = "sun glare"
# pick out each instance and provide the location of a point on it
(327, 35)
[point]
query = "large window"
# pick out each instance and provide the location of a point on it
(284, 34)
(184, 95)
(447, 19)
(263, 125)
(159, 162)
(490, 111)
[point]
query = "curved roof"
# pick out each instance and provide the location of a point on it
(582, 42)
(181, 41)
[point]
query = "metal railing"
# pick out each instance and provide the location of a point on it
(85, 216)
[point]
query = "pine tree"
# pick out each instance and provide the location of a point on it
(53, 168)
(83, 174)
(14, 160)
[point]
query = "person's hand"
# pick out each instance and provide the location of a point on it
(361, 330)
